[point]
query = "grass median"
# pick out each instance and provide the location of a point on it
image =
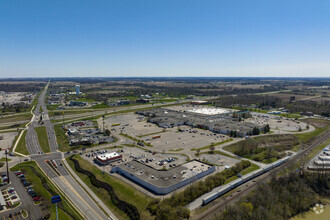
(43, 138)
(213, 144)
(21, 146)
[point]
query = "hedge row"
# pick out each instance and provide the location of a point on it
(130, 210)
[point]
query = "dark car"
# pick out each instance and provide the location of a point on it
(34, 195)
(25, 183)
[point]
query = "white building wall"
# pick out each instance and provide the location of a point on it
(161, 190)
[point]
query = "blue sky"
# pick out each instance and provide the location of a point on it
(62, 38)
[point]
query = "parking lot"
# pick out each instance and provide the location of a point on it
(219, 159)
(169, 139)
(155, 160)
(18, 198)
(277, 122)
(7, 140)
(10, 197)
(132, 124)
(187, 138)
(85, 133)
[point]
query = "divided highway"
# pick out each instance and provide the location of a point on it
(65, 182)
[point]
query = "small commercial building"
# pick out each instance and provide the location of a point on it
(105, 159)
(78, 103)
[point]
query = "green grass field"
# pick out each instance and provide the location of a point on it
(21, 117)
(21, 146)
(45, 188)
(304, 137)
(52, 107)
(98, 106)
(62, 139)
(123, 190)
(43, 138)
(247, 170)
(4, 159)
(136, 140)
(140, 136)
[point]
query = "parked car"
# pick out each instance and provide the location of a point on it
(37, 198)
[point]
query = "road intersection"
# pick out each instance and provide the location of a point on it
(61, 179)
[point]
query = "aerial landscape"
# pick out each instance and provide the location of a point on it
(164, 110)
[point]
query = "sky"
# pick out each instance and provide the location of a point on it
(146, 38)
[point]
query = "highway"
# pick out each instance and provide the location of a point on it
(65, 182)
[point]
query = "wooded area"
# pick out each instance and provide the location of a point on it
(281, 198)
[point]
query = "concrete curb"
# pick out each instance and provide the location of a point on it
(68, 199)
(86, 188)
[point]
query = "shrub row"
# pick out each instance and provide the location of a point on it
(130, 210)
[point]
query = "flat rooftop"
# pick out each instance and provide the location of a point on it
(108, 155)
(165, 178)
(210, 111)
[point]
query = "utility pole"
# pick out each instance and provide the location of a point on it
(7, 166)
(103, 121)
(63, 116)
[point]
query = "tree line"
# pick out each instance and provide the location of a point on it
(281, 198)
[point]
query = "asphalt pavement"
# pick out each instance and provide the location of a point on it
(65, 182)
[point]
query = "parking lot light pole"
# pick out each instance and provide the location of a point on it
(103, 122)
(7, 165)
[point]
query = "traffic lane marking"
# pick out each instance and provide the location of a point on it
(75, 192)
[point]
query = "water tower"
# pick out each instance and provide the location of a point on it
(77, 90)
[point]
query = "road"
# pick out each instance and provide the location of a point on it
(65, 182)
